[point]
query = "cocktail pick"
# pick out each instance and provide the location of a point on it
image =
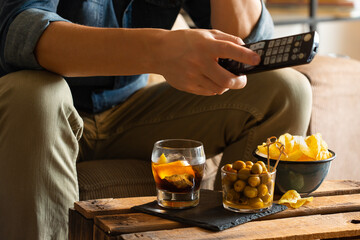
(268, 143)
(281, 149)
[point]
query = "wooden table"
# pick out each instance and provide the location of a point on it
(334, 213)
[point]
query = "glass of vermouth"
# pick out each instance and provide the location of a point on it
(178, 168)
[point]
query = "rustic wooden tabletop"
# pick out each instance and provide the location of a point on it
(334, 213)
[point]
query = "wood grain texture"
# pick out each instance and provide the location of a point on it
(337, 187)
(322, 205)
(334, 213)
(139, 222)
(134, 222)
(306, 227)
(91, 208)
(80, 228)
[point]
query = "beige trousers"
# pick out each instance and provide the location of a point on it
(40, 129)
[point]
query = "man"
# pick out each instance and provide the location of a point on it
(102, 50)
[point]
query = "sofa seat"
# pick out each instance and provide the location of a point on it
(115, 178)
(336, 110)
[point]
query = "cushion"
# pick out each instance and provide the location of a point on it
(336, 109)
(115, 178)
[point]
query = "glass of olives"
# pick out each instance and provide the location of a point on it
(247, 187)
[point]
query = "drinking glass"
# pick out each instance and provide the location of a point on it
(178, 168)
(246, 192)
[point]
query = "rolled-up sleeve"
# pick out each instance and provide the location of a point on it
(263, 29)
(20, 35)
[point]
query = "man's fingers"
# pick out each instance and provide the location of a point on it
(223, 78)
(219, 35)
(240, 82)
(229, 46)
(237, 53)
(205, 82)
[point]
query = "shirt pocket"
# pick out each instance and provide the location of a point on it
(166, 3)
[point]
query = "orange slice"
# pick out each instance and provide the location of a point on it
(173, 168)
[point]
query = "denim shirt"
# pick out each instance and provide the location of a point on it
(23, 21)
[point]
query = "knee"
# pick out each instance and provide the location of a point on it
(38, 97)
(293, 88)
(296, 93)
(287, 95)
(33, 87)
(35, 92)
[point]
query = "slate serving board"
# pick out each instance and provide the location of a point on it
(209, 214)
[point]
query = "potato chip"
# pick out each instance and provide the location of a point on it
(298, 148)
(305, 149)
(290, 196)
(288, 141)
(293, 198)
(274, 152)
(323, 155)
(262, 149)
(314, 144)
(301, 202)
(294, 155)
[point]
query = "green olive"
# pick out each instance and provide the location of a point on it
(232, 196)
(243, 174)
(232, 177)
(262, 164)
(254, 181)
(228, 167)
(243, 200)
(265, 170)
(231, 174)
(256, 203)
(239, 165)
(267, 198)
(250, 192)
(262, 190)
(265, 178)
(249, 164)
(239, 185)
(256, 168)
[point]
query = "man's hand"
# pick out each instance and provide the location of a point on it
(188, 59)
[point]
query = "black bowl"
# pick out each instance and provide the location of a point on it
(302, 176)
